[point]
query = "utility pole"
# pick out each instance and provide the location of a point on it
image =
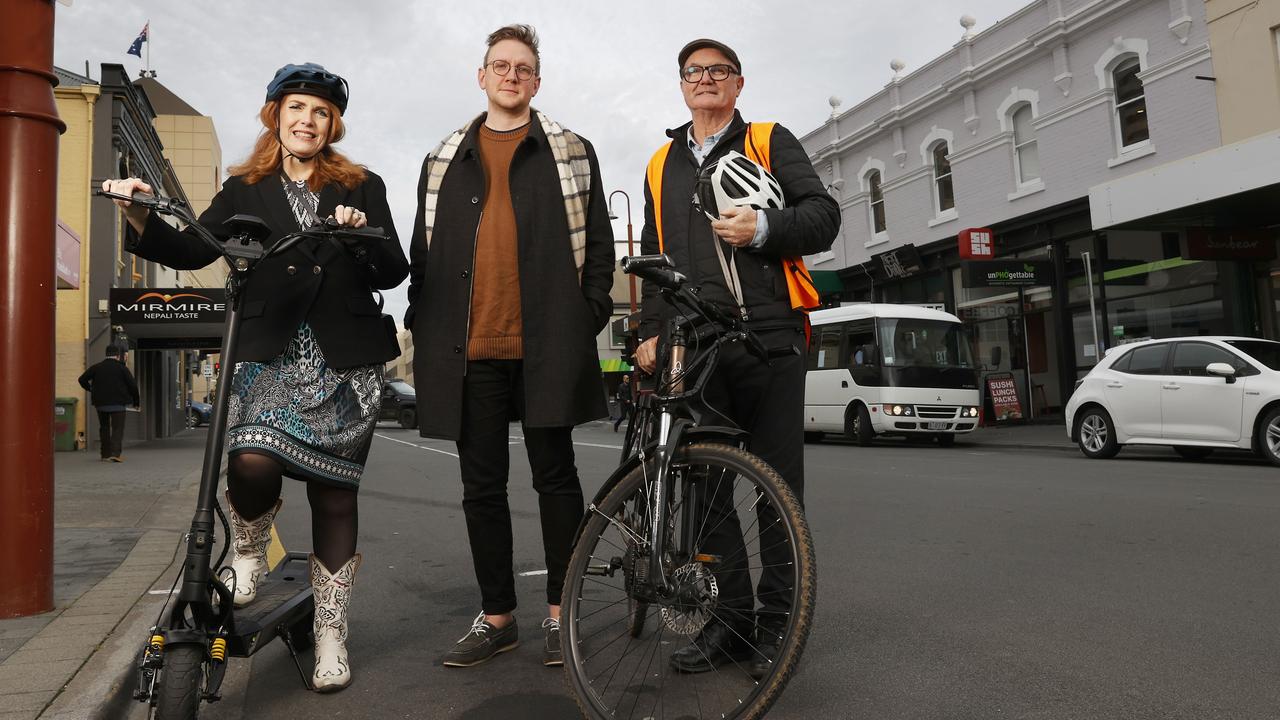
(29, 130)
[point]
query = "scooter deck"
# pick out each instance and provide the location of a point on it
(283, 601)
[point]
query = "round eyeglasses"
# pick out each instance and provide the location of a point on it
(502, 67)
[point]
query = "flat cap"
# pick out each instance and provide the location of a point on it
(700, 43)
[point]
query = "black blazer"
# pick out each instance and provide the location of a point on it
(313, 281)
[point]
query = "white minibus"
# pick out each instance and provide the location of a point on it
(881, 369)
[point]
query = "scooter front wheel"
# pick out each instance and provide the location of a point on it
(181, 683)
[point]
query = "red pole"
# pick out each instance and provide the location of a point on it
(29, 129)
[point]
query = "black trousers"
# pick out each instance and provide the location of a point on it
(768, 402)
(111, 433)
(493, 396)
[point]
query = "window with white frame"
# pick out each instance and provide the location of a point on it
(943, 194)
(1131, 103)
(1025, 152)
(876, 195)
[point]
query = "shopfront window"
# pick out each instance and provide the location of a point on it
(1153, 292)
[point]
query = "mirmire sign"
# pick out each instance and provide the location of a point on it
(168, 305)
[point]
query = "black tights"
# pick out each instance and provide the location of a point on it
(254, 483)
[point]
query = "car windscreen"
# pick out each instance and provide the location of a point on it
(402, 387)
(1264, 351)
(912, 342)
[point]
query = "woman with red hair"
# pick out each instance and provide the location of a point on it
(306, 388)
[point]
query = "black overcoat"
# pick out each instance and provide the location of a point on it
(315, 281)
(561, 317)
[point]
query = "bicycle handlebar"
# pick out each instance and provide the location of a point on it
(172, 206)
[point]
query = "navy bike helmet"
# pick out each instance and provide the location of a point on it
(309, 79)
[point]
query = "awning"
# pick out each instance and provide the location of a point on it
(614, 365)
(1235, 181)
(827, 281)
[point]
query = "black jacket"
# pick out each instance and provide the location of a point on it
(313, 281)
(110, 383)
(807, 225)
(560, 317)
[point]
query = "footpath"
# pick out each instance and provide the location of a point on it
(117, 531)
(118, 535)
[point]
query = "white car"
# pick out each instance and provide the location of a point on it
(1193, 393)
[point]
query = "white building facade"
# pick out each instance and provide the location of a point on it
(1008, 131)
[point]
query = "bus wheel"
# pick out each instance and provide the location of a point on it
(857, 425)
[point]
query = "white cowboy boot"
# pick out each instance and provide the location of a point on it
(332, 593)
(250, 539)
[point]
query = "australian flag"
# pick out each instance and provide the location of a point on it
(136, 47)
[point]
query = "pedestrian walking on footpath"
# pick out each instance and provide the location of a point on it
(746, 258)
(623, 396)
(307, 387)
(112, 390)
(511, 263)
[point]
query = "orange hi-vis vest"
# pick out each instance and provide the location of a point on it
(804, 296)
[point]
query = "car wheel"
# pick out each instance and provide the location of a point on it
(946, 439)
(409, 418)
(1097, 434)
(858, 426)
(193, 419)
(1268, 440)
(1193, 452)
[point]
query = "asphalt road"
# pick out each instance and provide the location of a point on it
(971, 582)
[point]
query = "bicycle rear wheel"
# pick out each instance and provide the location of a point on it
(747, 539)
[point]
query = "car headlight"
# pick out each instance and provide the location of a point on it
(899, 410)
(970, 412)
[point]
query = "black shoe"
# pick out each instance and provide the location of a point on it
(551, 653)
(482, 643)
(768, 646)
(716, 645)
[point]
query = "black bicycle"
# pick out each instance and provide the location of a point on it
(663, 549)
(184, 660)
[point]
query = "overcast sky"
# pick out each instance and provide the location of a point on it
(608, 68)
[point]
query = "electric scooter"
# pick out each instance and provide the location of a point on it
(184, 660)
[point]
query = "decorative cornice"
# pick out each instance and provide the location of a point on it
(1193, 56)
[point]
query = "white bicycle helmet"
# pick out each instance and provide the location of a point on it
(735, 181)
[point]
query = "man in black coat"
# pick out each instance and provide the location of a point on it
(111, 388)
(761, 248)
(511, 262)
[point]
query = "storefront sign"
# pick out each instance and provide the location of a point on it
(67, 259)
(977, 244)
(1003, 391)
(1006, 273)
(168, 305)
(899, 263)
(1230, 244)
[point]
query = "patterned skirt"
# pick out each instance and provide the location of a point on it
(316, 421)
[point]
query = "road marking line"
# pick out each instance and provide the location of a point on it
(415, 445)
(597, 445)
(533, 572)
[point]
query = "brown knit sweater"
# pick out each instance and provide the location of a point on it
(495, 332)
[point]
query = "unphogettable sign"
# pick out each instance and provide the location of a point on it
(1003, 391)
(1006, 273)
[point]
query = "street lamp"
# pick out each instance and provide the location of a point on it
(630, 247)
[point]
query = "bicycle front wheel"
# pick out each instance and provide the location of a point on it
(739, 555)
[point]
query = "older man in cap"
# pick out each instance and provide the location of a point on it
(747, 260)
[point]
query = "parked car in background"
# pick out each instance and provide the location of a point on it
(1193, 394)
(399, 403)
(198, 413)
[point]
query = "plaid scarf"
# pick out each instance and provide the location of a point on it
(572, 165)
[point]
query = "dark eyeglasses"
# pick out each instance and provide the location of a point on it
(502, 67)
(693, 73)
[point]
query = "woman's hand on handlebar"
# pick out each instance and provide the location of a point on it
(349, 217)
(135, 214)
(647, 355)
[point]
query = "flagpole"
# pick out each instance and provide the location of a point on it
(147, 41)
